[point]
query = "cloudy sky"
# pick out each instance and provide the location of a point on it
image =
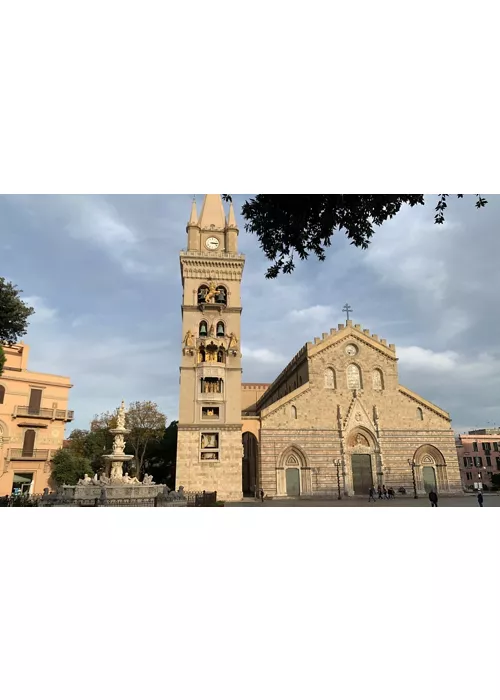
(103, 275)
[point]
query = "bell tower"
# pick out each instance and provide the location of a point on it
(209, 447)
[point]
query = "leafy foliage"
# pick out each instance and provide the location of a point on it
(288, 225)
(68, 467)
(495, 481)
(14, 313)
(2, 359)
(92, 445)
(147, 425)
(160, 457)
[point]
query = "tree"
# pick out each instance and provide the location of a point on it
(68, 467)
(91, 444)
(146, 424)
(160, 457)
(14, 316)
(495, 481)
(288, 224)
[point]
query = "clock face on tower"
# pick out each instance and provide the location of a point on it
(212, 243)
(351, 350)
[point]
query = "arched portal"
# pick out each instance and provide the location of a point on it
(293, 474)
(250, 464)
(430, 469)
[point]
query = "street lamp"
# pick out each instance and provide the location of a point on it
(337, 463)
(412, 465)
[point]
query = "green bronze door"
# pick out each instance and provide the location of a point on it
(362, 478)
(293, 482)
(429, 477)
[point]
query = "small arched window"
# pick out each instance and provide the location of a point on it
(420, 414)
(377, 380)
(202, 293)
(2, 393)
(294, 412)
(220, 329)
(203, 329)
(353, 377)
(329, 378)
(202, 355)
(221, 296)
(220, 355)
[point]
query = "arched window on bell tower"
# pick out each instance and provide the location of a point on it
(220, 329)
(203, 330)
(221, 295)
(202, 293)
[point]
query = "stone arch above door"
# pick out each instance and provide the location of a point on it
(292, 456)
(428, 455)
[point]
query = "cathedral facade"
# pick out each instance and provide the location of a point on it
(335, 422)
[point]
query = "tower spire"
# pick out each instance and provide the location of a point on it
(231, 219)
(193, 219)
(212, 213)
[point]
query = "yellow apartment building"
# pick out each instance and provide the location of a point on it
(33, 415)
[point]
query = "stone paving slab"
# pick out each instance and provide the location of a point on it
(490, 501)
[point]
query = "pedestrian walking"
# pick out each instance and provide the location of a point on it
(386, 495)
(371, 494)
(379, 493)
(433, 498)
(480, 498)
(262, 495)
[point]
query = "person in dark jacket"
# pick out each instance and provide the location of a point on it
(480, 498)
(371, 494)
(433, 498)
(262, 495)
(379, 490)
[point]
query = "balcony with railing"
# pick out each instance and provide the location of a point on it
(49, 413)
(29, 455)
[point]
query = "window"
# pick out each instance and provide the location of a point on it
(469, 476)
(474, 446)
(377, 380)
(202, 293)
(329, 378)
(210, 413)
(221, 295)
(29, 443)
(203, 329)
(488, 461)
(353, 377)
(486, 446)
(478, 461)
(495, 447)
(220, 330)
(35, 402)
(210, 447)
(2, 393)
(420, 414)
(202, 354)
(220, 355)
(498, 462)
(465, 461)
(294, 412)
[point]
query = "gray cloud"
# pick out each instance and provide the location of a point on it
(103, 274)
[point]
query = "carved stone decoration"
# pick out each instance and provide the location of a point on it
(120, 417)
(119, 444)
(233, 341)
(358, 440)
(358, 417)
(189, 340)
